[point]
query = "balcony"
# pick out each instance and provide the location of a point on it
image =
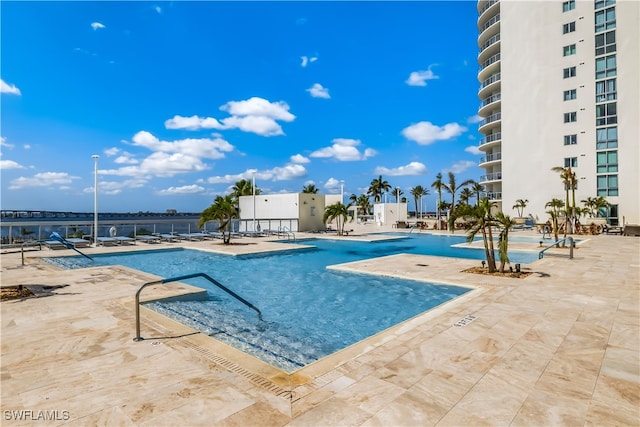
(489, 48)
(489, 102)
(489, 66)
(490, 158)
(494, 195)
(493, 138)
(489, 9)
(489, 29)
(489, 122)
(487, 86)
(496, 176)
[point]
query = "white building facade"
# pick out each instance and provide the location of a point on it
(560, 87)
(295, 211)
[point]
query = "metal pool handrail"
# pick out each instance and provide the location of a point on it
(188, 276)
(571, 246)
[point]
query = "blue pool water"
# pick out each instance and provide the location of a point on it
(309, 311)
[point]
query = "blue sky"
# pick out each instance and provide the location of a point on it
(181, 100)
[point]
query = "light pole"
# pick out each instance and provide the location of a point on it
(342, 191)
(253, 185)
(397, 204)
(95, 158)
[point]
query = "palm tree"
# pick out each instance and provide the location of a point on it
(437, 185)
(594, 204)
(243, 187)
(480, 220)
(310, 189)
(338, 212)
(465, 195)
(555, 206)
(417, 192)
(506, 223)
(478, 189)
(222, 210)
(519, 206)
(361, 202)
(452, 188)
(570, 182)
(377, 187)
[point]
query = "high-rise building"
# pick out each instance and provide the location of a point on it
(560, 88)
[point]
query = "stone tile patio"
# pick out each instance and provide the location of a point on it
(560, 347)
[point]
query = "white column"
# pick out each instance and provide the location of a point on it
(253, 184)
(95, 158)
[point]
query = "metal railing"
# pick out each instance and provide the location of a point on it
(286, 232)
(571, 246)
(188, 276)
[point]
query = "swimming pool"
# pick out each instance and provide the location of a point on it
(309, 311)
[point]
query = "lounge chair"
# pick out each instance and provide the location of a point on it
(169, 237)
(107, 241)
(193, 236)
(148, 239)
(79, 243)
(125, 240)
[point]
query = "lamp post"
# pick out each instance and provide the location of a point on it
(342, 191)
(397, 204)
(253, 185)
(95, 158)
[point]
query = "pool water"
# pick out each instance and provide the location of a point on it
(309, 311)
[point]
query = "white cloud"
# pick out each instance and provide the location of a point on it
(256, 115)
(473, 149)
(299, 159)
(196, 147)
(4, 143)
(318, 91)
(281, 173)
(461, 166)
(10, 89)
(344, 150)
(419, 78)
(126, 159)
(109, 152)
(113, 188)
(97, 25)
(192, 123)
(185, 189)
(10, 164)
(307, 60)
(169, 158)
(413, 168)
(425, 133)
(474, 119)
(44, 179)
(332, 184)
(158, 9)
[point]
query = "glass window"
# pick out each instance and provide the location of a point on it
(607, 138)
(607, 161)
(568, 5)
(569, 50)
(607, 185)
(570, 117)
(599, 4)
(570, 162)
(606, 90)
(569, 72)
(605, 67)
(606, 43)
(569, 94)
(606, 19)
(569, 28)
(570, 139)
(606, 114)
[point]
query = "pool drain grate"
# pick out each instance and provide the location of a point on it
(253, 378)
(465, 321)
